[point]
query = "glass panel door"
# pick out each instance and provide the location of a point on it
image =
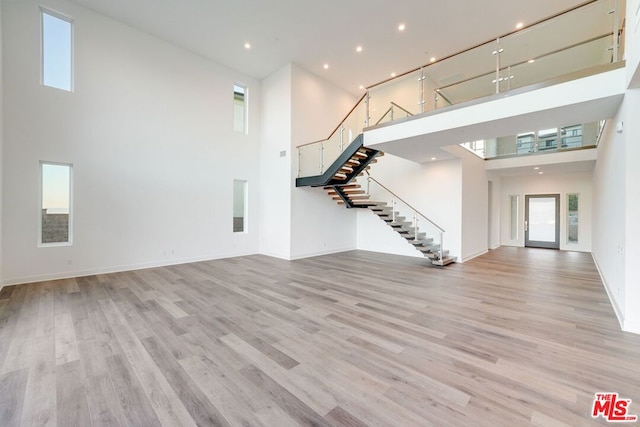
(542, 221)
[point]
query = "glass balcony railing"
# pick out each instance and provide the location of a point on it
(546, 140)
(581, 38)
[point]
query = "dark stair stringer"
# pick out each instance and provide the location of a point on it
(352, 162)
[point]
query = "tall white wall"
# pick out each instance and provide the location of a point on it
(318, 224)
(1, 142)
(275, 169)
(495, 211)
(475, 205)
(616, 203)
(609, 211)
(562, 184)
(631, 246)
(149, 131)
(434, 189)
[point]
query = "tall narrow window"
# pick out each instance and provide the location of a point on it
(55, 225)
(514, 217)
(239, 206)
(572, 218)
(57, 52)
(240, 108)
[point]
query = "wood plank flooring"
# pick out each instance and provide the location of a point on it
(514, 337)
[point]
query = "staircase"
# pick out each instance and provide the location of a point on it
(339, 180)
(354, 196)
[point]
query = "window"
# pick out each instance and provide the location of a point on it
(239, 206)
(239, 108)
(572, 218)
(57, 54)
(526, 142)
(514, 217)
(548, 139)
(55, 218)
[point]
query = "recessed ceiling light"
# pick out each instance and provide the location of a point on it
(540, 173)
(434, 158)
(361, 87)
(359, 49)
(247, 45)
(519, 25)
(401, 27)
(325, 66)
(393, 74)
(433, 59)
(537, 168)
(531, 61)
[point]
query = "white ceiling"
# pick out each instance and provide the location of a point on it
(312, 33)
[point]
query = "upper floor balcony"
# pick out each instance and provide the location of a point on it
(565, 70)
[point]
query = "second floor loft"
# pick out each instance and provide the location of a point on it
(567, 69)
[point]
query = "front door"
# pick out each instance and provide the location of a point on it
(542, 221)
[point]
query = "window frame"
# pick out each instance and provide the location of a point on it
(69, 241)
(245, 108)
(245, 206)
(70, 20)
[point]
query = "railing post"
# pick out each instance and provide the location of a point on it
(422, 77)
(415, 227)
(435, 99)
(616, 30)
(391, 111)
(367, 116)
(441, 245)
(497, 53)
(321, 158)
(393, 209)
(299, 163)
(368, 184)
(342, 137)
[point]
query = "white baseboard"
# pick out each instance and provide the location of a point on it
(607, 289)
(114, 269)
(470, 257)
(633, 327)
(320, 253)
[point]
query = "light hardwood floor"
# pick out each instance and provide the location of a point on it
(514, 337)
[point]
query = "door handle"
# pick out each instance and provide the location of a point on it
(526, 226)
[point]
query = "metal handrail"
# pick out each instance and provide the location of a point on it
(390, 109)
(370, 178)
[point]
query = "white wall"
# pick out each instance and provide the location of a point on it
(318, 224)
(495, 217)
(299, 107)
(550, 183)
(475, 205)
(434, 189)
(149, 131)
(609, 211)
(631, 246)
(1, 144)
(275, 171)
